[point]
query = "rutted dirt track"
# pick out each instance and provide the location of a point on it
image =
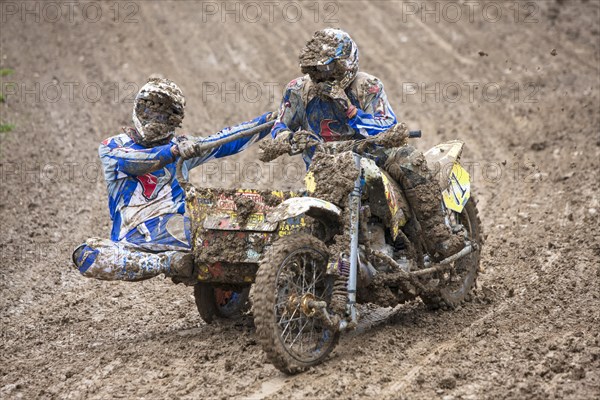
(532, 330)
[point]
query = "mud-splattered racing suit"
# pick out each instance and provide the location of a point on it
(147, 207)
(302, 108)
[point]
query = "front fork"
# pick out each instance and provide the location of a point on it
(341, 265)
(354, 207)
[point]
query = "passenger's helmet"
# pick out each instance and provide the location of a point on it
(330, 55)
(158, 109)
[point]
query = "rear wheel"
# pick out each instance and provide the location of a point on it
(454, 286)
(292, 274)
(213, 302)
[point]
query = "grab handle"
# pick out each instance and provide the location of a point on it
(207, 145)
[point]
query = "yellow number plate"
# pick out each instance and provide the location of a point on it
(456, 195)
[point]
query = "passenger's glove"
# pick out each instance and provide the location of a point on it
(188, 149)
(339, 96)
(283, 137)
(272, 115)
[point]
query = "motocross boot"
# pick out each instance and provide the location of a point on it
(425, 201)
(408, 167)
(182, 268)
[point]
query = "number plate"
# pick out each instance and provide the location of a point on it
(458, 193)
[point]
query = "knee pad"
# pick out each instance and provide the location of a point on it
(83, 257)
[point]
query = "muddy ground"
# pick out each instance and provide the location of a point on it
(522, 91)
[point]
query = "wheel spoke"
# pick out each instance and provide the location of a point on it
(288, 324)
(314, 284)
(281, 303)
(302, 273)
(299, 332)
(290, 320)
(314, 280)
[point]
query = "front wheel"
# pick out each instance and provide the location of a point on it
(293, 272)
(213, 302)
(454, 286)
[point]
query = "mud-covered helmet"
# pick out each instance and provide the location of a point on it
(158, 109)
(332, 55)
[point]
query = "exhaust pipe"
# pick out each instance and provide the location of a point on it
(471, 247)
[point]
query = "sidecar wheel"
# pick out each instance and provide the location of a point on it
(456, 287)
(293, 268)
(215, 302)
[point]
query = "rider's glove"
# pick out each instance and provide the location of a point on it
(338, 95)
(396, 136)
(287, 142)
(303, 139)
(271, 149)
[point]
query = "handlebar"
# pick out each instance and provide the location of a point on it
(391, 138)
(207, 145)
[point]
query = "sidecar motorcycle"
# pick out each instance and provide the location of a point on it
(312, 258)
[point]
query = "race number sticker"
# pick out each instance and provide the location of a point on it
(309, 181)
(458, 193)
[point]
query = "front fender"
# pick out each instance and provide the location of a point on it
(441, 158)
(310, 206)
(455, 181)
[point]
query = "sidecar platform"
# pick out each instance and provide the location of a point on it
(230, 231)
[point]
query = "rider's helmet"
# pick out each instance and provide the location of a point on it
(330, 55)
(158, 109)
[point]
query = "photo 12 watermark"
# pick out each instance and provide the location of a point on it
(470, 11)
(242, 92)
(69, 92)
(269, 11)
(70, 11)
(470, 92)
(35, 173)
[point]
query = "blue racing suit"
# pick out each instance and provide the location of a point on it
(302, 109)
(147, 206)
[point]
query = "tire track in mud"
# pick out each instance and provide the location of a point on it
(436, 354)
(386, 347)
(267, 388)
